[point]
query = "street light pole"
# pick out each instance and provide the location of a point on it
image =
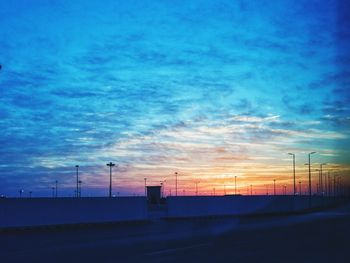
(110, 164)
(145, 186)
(175, 183)
(77, 187)
(80, 182)
(310, 172)
(235, 185)
(274, 186)
(293, 172)
(299, 187)
(318, 189)
(329, 184)
(321, 181)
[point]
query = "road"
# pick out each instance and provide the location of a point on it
(314, 237)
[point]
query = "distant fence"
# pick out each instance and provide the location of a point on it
(195, 206)
(22, 212)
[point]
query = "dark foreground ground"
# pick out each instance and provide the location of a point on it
(315, 237)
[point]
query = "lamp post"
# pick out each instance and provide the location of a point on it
(162, 188)
(77, 175)
(294, 187)
(321, 180)
(175, 183)
(110, 164)
(80, 182)
(145, 186)
(196, 188)
(235, 185)
(299, 187)
(274, 186)
(329, 183)
(20, 192)
(309, 155)
(318, 190)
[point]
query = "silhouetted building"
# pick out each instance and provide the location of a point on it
(153, 194)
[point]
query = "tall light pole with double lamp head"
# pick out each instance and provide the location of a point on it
(293, 172)
(110, 164)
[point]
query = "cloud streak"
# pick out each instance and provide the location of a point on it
(205, 88)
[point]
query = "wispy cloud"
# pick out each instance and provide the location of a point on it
(209, 88)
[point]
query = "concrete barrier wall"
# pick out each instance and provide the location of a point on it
(20, 212)
(191, 206)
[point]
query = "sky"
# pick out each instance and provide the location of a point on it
(212, 90)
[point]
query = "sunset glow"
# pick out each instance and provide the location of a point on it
(212, 90)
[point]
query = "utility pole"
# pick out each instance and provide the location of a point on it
(77, 175)
(321, 176)
(80, 182)
(175, 183)
(329, 184)
(110, 164)
(310, 172)
(294, 187)
(235, 185)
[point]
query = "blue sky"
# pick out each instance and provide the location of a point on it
(211, 89)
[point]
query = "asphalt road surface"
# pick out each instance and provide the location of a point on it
(315, 237)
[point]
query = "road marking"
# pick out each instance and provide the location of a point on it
(170, 250)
